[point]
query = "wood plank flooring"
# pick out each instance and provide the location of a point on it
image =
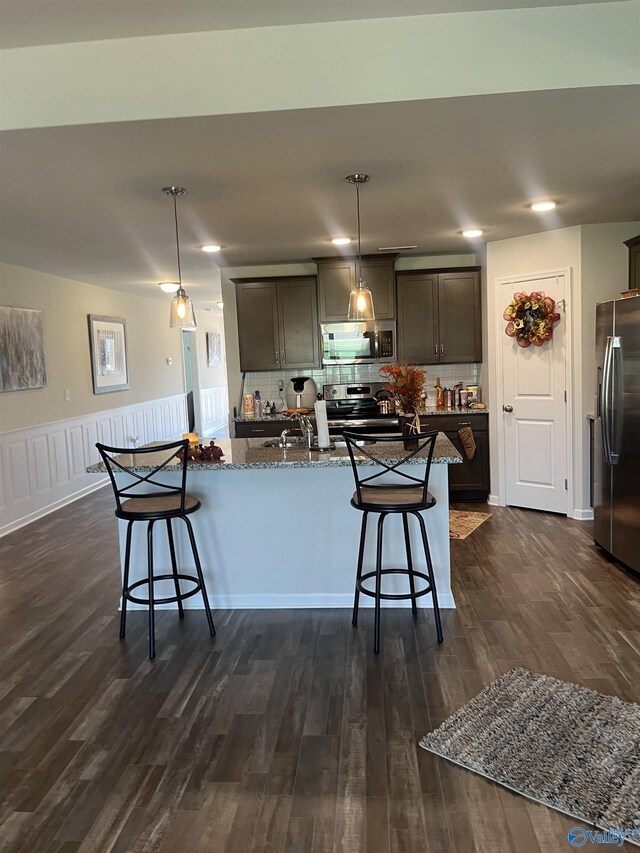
(285, 732)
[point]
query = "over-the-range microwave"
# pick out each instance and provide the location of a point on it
(358, 342)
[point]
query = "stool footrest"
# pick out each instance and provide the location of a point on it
(389, 596)
(170, 599)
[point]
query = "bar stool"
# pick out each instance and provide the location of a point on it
(392, 491)
(163, 502)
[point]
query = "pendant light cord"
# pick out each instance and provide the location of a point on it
(359, 250)
(175, 216)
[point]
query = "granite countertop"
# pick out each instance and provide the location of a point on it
(428, 412)
(242, 453)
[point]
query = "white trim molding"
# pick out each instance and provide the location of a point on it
(261, 601)
(214, 411)
(44, 467)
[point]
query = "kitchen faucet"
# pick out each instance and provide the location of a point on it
(306, 428)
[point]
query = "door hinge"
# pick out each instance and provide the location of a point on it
(566, 485)
(565, 396)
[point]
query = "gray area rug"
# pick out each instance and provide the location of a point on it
(563, 745)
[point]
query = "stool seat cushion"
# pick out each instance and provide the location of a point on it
(160, 506)
(401, 498)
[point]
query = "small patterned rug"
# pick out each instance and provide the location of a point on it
(462, 523)
(568, 747)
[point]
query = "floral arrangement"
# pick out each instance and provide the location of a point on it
(530, 319)
(406, 383)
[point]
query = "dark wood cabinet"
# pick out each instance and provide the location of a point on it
(265, 429)
(277, 323)
(468, 481)
(634, 262)
(439, 316)
(337, 278)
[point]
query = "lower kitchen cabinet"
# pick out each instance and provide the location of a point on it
(470, 480)
(265, 429)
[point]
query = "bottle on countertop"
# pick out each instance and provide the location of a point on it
(257, 405)
(439, 393)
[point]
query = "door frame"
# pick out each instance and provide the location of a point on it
(567, 318)
(194, 369)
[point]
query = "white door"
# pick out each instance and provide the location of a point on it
(534, 409)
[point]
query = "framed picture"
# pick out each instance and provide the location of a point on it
(22, 362)
(108, 346)
(214, 349)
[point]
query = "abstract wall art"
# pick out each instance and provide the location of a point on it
(22, 361)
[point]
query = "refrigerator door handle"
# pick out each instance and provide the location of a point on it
(605, 397)
(617, 407)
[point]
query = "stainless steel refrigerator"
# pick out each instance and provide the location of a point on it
(616, 455)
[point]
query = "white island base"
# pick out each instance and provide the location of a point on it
(288, 538)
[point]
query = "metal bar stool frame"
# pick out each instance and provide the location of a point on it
(180, 509)
(362, 501)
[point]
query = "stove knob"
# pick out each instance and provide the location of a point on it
(333, 392)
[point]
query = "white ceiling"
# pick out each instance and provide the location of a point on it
(86, 202)
(38, 22)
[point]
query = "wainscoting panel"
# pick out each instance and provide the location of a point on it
(44, 467)
(214, 411)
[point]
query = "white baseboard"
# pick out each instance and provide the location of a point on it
(297, 602)
(493, 500)
(581, 514)
(40, 513)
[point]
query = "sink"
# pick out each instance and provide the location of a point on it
(299, 441)
(290, 441)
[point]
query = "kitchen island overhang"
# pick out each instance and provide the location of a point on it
(276, 528)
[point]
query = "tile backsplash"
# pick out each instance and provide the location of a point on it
(267, 381)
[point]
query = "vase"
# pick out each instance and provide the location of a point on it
(408, 430)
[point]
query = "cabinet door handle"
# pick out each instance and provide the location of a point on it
(256, 431)
(436, 349)
(282, 358)
(277, 357)
(464, 423)
(441, 349)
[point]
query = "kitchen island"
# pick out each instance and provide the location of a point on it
(276, 528)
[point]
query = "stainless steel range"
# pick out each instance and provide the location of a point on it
(354, 407)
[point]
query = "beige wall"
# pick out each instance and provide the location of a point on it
(65, 305)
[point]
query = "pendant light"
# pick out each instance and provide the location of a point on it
(182, 315)
(360, 298)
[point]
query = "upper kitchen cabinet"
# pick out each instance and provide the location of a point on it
(277, 323)
(439, 316)
(337, 278)
(634, 262)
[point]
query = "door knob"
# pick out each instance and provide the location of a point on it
(507, 408)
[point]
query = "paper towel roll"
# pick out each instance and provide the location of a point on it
(321, 423)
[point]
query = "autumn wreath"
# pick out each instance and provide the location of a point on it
(530, 318)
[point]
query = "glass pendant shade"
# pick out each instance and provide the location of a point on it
(182, 314)
(361, 303)
(360, 298)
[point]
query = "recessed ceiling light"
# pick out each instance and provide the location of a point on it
(541, 206)
(472, 232)
(341, 241)
(169, 286)
(212, 248)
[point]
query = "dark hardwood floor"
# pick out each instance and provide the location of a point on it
(285, 733)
